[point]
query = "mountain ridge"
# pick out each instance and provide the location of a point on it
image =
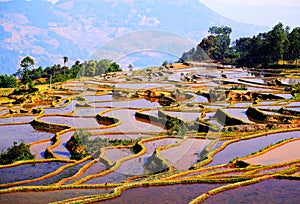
(47, 31)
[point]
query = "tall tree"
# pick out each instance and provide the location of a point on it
(102, 66)
(25, 64)
(114, 67)
(276, 41)
(66, 60)
(7, 81)
(222, 40)
(91, 68)
(293, 51)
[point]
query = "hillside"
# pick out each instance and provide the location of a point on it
(77, 28)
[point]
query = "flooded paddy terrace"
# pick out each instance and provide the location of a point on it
(185, 155)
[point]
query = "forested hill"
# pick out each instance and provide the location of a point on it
(75, 29)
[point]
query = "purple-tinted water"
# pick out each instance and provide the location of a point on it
(48, 196)
(18, 133)
(27, 171)
(271, 191)
(163, 194)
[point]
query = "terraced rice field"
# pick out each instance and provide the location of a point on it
(201, 156)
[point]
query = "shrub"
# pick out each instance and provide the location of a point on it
(136, 148)
(16, 153)
(81, 145)
(155, 165)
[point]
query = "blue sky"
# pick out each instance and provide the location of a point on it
(258, 12)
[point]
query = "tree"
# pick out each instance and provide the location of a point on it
(114, 67)
(91, 68)
(7, 81)
(130, 67)
(102, 66)
(25, 64)
(207, 44)
(16, 153)
(66, 60)
(220, 49)
(293, 51)
(275, 43)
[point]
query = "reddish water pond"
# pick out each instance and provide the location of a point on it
(184, 155)
(246, 147)
(270, 191)
(285, 153)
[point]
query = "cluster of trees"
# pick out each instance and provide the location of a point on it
(7, 81)
(269, 48)
(264, 49)
(215, 46)
(57, 73)
(82, 145)
(93, 67)
(155, 165)
(16, 153)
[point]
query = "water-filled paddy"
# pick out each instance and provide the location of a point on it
(183, 156)
(93, 169)
(189, 116)
(115, 154)
(140, 103)
(133, 166)
(270, 191)
(39, 149)
(246, 147)
(141, 85)
(238, 113)
(285, 153)
(88, 111)
(109, 97)
(68, 172)
(76, 122)
(48, 196)
(200, 99)
(18, 133)
(27, 171)
(4, 111)
(21, 119)
(129, 122)
(123, 136)
(61, 110)
(163, 194)
(61, 150)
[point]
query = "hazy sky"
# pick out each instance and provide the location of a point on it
(259, 12)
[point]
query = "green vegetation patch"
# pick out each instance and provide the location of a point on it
(16, 153)
(82, 145)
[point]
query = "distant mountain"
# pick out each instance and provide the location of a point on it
(76, 28)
